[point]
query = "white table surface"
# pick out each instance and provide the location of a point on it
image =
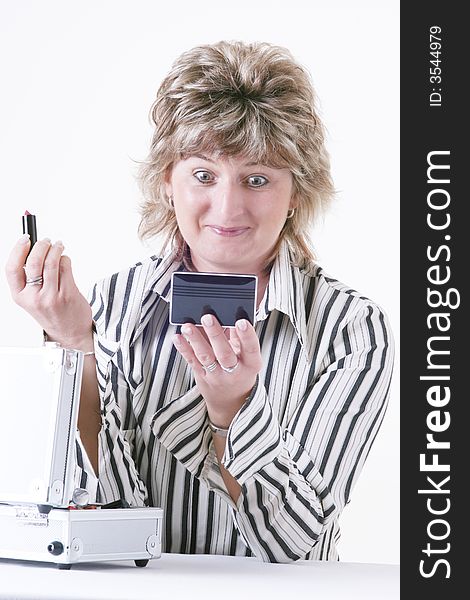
(175, 576)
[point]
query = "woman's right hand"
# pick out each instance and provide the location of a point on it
(57, 305)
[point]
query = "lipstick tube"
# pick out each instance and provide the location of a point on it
(29, 226)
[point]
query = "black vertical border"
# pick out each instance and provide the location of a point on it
(425, 129)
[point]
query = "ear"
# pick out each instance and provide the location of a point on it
(167, 182)
(294, 201)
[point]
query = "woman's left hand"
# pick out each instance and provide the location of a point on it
(208, 351)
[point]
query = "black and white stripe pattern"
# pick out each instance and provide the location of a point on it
(297, 445)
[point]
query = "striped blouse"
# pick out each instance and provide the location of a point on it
(297, 445)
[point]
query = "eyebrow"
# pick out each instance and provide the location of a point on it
(248, 164)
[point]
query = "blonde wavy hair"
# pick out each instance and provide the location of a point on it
(236, 98)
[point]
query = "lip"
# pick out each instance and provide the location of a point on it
(227, 231)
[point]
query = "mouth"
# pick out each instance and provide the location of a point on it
(227, 231)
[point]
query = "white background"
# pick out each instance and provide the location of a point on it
(77, 82)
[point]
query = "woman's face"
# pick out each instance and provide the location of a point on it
(229, 210)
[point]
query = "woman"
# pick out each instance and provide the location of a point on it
(250, 439)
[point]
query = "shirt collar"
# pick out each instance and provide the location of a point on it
(160, 281)
(285, 291)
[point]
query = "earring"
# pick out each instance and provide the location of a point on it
(170, 201)
(290, 213)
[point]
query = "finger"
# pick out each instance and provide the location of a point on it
(249, 343)
(204, 335)
(184, 348)
(51, 268)
(222, 348)
(234, 340)
(201, 347)
(35, 262)
(66, 280)
(14, 270)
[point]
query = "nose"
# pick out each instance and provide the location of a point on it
(230, 201)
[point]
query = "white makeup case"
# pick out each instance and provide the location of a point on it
(40, 516)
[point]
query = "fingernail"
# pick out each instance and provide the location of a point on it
(186, 330)
(241, 324)
(59, 243)
(177, 341)
(46, 240)
(24, 239)
(207, 320)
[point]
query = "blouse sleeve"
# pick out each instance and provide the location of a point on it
(297, 479)
(118, 475)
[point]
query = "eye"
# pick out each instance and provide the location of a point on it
(256, 181)
(203, 176)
